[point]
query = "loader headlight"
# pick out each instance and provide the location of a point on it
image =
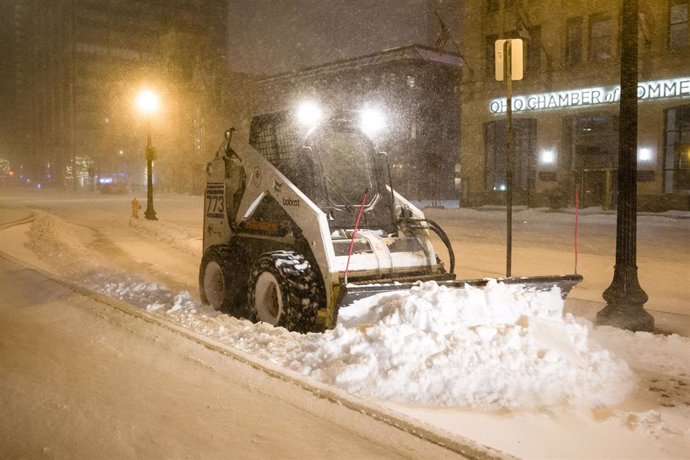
(372, 121)
(309, 114)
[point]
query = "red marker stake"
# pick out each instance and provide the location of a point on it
(354, 234)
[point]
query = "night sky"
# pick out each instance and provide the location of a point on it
(269, 36)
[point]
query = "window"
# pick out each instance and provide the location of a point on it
(677, 150)
(600, 37)
(490, 54)
(573, 41)
(548, 176)
(345, 157)
(678, 24)
(492, 6)
(274, 137)
(590, 150)
(524, 154)
(533, 50)
(596, 126)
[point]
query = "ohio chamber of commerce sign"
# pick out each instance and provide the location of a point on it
(586, 97)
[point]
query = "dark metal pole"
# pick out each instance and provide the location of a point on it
(625, 297)
(150, 213)
(507, 74)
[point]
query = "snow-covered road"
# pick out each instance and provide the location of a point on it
(90, 239)
(83, 379)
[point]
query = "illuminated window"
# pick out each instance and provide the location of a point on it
(573, 41)
(678, 24)
(600, 37)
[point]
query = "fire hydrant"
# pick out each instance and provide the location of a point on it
(135, 208)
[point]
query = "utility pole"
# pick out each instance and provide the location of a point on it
(625, 297)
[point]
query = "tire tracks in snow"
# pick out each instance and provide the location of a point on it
(464, 447)
(108, 248)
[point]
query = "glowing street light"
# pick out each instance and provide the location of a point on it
(147, 103)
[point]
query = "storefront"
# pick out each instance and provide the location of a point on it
(567, 141)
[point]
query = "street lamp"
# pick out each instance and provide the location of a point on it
(625, 297)
(147, 103)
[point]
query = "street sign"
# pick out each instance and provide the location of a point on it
(511, 50)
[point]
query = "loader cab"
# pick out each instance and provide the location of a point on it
(333, 162)
(344, 160)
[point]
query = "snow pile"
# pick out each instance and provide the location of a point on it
(173, 235)
(131, 289)
(57, 242)
(502, 346)
(499, 347)
(644, 349)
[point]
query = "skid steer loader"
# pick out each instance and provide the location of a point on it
(303, 219)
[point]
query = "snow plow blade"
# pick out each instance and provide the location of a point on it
(353, 291)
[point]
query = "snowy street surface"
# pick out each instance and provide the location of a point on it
(514, 370)
(81, 379)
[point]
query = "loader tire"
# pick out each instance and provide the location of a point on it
(222, 280)
(284, 290)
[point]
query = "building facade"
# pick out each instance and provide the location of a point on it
(565, 109)
(73, 70)
(417, 89)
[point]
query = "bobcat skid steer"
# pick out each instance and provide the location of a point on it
(303, 219)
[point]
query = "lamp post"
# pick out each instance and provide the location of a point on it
(625, 297)
(147, 102)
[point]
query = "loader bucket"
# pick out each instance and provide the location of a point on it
(354, 291)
